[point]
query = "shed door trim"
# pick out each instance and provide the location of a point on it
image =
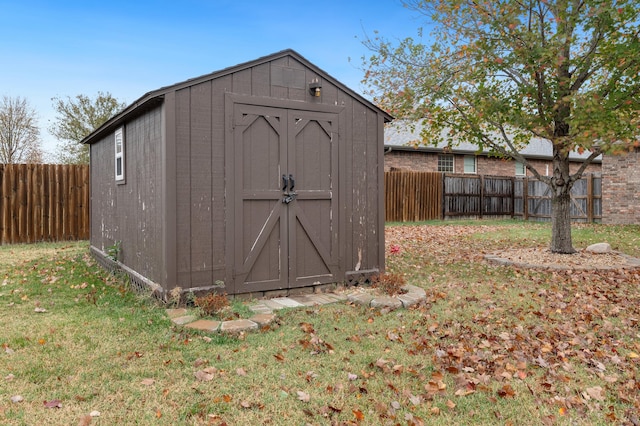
(298, 242)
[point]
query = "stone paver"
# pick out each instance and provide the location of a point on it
(175, 313)
(261, 308)
(183, 320)
(310, 299)
(274, 306)
(204, 325)
(263, 319)
(264, 309)
(409, 299)
(386, 302)
(238, 326)
(361, 298)
(287, 302)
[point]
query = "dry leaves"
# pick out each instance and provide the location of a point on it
(541, 331)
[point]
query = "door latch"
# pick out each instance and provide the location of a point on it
(289, 197)
(288, 183)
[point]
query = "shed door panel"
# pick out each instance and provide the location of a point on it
(260, 234)
(281, 245)
(313, 141)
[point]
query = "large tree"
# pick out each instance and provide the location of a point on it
(498, 73)
(19, 132)
(78, 117)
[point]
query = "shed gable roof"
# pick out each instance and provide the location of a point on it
(155, 97)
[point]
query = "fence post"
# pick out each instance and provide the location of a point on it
(481, 206)
(590, 198)
(513, 197)
(442, 210)
(525, 198)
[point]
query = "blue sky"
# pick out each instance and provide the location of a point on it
(65, 48)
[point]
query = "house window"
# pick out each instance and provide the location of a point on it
(119, 149)
(445, 163)
(470, 164)
(520, 169)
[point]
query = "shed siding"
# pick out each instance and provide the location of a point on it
(200, 167)
(200, 179)
(130, 212)
(175, 213)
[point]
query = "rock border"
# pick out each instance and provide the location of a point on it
(181, 317)
(264, 315)
(630, 263)
(412, 297)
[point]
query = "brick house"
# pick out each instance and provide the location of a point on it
(401, 154)
(621, 188)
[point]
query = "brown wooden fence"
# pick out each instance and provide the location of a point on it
(43, 202)
(417, 196)
(412, 196)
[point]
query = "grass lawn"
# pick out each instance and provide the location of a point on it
(490, 345)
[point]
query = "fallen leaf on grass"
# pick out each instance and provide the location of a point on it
(85, 420)
(17, 398)
(506, 392)
(204, 375)
(303, 396)
(595, 392)
(54, 403)
(40, 310)
(241, 372)
(198, 362)
(245, 404)
(148, 382)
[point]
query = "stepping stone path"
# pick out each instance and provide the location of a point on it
(264, 310)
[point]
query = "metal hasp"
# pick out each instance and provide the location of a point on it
(288, 183)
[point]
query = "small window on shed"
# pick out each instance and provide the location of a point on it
(470, 164)
(520, 169)
(445, 163)
(119, 150)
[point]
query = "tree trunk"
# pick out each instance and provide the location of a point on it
(561, 222)
(560, 185)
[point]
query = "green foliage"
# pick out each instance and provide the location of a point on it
(114, 250)
(76, 118)
(500, 73)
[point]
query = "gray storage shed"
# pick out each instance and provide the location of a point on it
(260, 178)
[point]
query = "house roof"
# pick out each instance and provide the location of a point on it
(400, 136)
(155, 97)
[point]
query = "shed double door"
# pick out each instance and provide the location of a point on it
(286, 213)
